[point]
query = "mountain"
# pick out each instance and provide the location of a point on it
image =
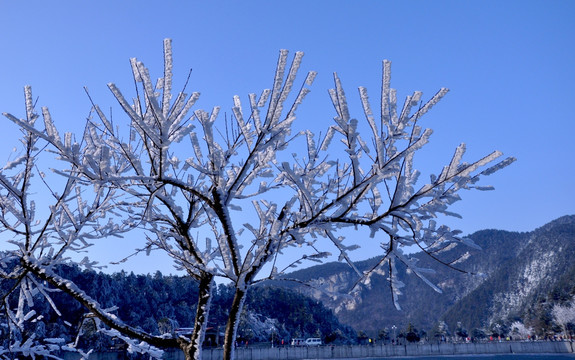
(542, 272)
(523, 274)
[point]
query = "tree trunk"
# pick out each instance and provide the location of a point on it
(232, 325)
(193, 350)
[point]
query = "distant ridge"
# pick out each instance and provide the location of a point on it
(541, 274)
(524, 274)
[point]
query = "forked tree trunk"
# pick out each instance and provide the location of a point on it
(193, 350)
(233, 322)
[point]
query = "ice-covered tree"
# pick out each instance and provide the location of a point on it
(228, 197)
(42, 232)
(521, 331)
(564, 315)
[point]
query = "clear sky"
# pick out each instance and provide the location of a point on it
(510, 66)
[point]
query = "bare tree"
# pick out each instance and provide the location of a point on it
(231, 201)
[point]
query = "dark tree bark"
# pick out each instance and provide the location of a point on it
(193, 349)
(233, 321)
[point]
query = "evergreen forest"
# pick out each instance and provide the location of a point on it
(166, 304)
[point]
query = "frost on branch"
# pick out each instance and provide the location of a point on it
(221, 194)
(564, 315)
(46, 232)
(379, 188)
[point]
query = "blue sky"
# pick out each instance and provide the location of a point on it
(509, 66)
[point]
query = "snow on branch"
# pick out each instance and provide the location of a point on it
(187, 176)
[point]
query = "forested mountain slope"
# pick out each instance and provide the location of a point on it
(525, 286)
(520, 272)
(160, 304)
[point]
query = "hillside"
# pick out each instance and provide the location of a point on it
(541, 274)
(520, 272)
(159, 304)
